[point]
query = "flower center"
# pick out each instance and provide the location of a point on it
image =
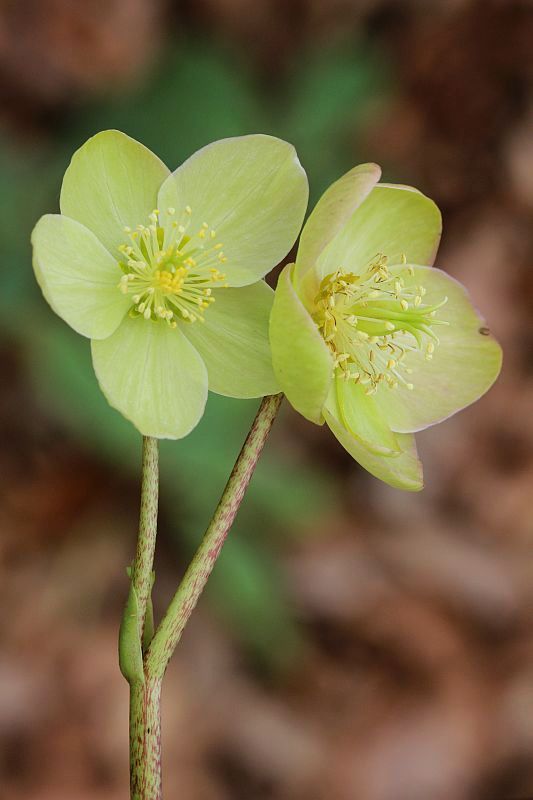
(169, 270)
(372, 321)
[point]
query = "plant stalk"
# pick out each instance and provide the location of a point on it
(145, 740)
(184, 601)
(141, 574)
(136, 628)
(145, 666)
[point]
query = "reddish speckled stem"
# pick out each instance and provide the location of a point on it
(145, 686)
(145, 740)
(141, 576)
(145, 730)
(182, 604)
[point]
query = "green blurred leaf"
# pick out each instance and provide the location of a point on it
(247, 587)
(196, 94)
(329, 100)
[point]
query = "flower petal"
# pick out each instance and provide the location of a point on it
(233, 342)
(253, 191)
(302, 361)
(463, 366)
(153, 375)
(78, 277)
(403, 471)
(361, 417)
(112, 182)
(332, 212)
(395, 221)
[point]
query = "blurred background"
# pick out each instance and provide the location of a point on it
(356, 643)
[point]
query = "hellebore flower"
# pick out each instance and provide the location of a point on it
(366, 336)
(162, 271)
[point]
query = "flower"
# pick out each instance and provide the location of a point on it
(162, 271)
(368, 338)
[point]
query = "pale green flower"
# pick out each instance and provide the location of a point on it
(366, 336)
(162, 271)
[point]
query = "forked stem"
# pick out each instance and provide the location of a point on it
(146, 678)
(184, 601)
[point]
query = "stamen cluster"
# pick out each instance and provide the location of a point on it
(372, 321)
(169, 271)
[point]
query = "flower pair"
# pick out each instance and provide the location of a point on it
(163, 272)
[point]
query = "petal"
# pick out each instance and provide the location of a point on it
(233, 342)
(403, 471)
(464, 364)
(112, 182)
(253, 191)
(332, 212)
(78, 276)
(153, 376)
(302, 362)
(395, 221)
(362, 418)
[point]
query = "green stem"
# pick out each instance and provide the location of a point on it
(184, 601)
(145, 740)
(141, 574)
(145, 693)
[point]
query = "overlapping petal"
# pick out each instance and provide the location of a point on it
(302, 362)
(233, 342)
(361, 417)
(403, 471)
(332, 212)
(78, 276)
(395, 221)
(154, 376)
(463, 366)
(112, 183)
(253, 191)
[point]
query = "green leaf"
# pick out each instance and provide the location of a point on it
(65, 387)
(195, 94)
(129, 642)
(331, 94)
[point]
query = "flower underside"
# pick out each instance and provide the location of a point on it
(169, 270)
(371, 321)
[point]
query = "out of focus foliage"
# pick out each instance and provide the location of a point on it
(415, 676)
(195, 95)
